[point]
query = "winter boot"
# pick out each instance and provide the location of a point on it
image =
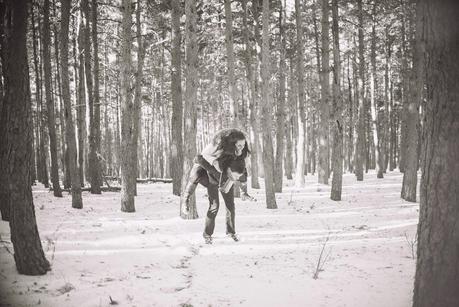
(207, 238)
(233, 236)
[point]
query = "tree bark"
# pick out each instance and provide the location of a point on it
(49, 101)
(280, 118)
(360, 146)
(94, 120)
(386, 125)
(257, 142)
(404, 90)
(127, 113)
(41, 157)
(81, 106)
(77, 201)
(289, 126)
(268, 157)
(392, 120)
(233, 103)
(4, 190)
(376, 118)
(177, 105)
(437, 279)
(190, 114)
(410, 176)
(28, 252)
(117, 129)
(324, 171)
(337, 161)
(93, 168)
(252, 98)
(60, 115)
(299, 172)
(138, 93)
(350, 148)
(234, 114)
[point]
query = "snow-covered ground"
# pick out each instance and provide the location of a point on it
(101, 256)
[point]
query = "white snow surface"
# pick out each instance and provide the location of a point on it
(101, 256)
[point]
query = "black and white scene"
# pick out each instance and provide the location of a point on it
(255, 153)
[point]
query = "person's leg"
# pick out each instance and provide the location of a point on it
(230, 212)
(212, 190)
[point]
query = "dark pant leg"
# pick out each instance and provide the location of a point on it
(212, 190)
(197, 173)
(230, 211)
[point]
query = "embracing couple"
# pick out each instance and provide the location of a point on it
(218, 167)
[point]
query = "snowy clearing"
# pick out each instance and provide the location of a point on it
(101, 256)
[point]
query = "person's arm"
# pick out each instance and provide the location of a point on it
(211, 154)
(245, 195)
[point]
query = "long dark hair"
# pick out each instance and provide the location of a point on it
(226, 139)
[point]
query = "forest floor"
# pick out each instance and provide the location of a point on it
(101, 256)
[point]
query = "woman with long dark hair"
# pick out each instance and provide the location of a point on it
(217, 167)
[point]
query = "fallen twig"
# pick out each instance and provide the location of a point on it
(322, 258)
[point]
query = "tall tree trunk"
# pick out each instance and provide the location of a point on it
(289, 126)
(325, 96)
(118, 129)
(252, 98)
(404, 91)
(437, 279)
(77, 201)
(128, 176)
(410, 176)
(4, 187)
(392, 121)
(350, 148)
(108, 140)
(92, 155)
(233, 105)
(268, 156)
(315, 107)
(108, 136)
(374, 103)
(44, 148)
(31, 126)
(190, 119)
(41, 157)
(49, 101)
(360, 146)
(299, 172)
(257, 142)
(2, 54)
(28, 252)
(386, 125)
(64, 158)
(280, 118)
(177, 106)
(137, 93)
(337, 180)
(81, 106)
(94, 107)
